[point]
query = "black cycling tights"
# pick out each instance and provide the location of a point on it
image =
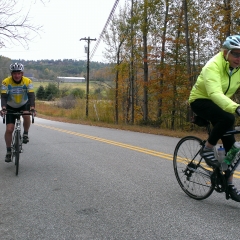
(222, 121)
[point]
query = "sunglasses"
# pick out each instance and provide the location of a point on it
(235, 54)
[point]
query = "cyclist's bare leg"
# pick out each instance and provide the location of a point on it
(26, 122)
(8, 134)
(208, 145)
(230, 179)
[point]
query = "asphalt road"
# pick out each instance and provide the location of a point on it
(84, 182)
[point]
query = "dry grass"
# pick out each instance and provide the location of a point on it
(48, 111)
(92, 85)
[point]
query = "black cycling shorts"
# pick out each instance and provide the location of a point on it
(11, 118)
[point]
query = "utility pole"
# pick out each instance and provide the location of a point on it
(87, 92)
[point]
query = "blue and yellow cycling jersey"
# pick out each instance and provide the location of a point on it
(17, 92)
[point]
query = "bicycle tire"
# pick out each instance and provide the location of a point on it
(13, 148)
(191, 171)
(17, 151)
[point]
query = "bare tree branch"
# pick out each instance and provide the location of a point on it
(15, 26)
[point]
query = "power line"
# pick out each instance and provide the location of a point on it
(106, 24)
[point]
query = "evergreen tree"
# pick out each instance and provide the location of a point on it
(40, 93)
(51, 91)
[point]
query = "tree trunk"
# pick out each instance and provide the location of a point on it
(116, 89)
(132, 69)
(159, 113)
(185, 9)
(227, 17)
(145, 62)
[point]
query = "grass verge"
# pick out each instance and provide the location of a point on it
(50, 112)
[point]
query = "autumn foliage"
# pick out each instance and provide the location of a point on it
(157, 49)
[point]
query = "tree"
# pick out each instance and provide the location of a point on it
(40, 93)
(145, 30)
(4, 67)
(161, 67)
(78, 93)
(115, 38)
(15, 26)
(51, 91)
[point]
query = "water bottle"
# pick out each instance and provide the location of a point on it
(221, 156)
(232, 152)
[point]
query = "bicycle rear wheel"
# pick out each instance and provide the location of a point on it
(191, 171)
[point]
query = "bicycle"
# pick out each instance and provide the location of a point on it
(194, 176)
(16, 144)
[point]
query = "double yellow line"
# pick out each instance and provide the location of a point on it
(123, 145)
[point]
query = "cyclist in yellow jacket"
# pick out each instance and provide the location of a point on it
(210, 98)
(17, 94)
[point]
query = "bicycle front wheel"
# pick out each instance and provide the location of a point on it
(191, 171)
(17, 150)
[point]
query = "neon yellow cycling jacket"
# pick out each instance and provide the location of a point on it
(217, 83)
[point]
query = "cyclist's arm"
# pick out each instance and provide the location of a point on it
(30, 92)
(3, 104)
(4, 98)
(4, 94)
(31, 97)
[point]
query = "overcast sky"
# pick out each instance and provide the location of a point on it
(64, 23)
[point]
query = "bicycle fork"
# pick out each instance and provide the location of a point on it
(14, 140)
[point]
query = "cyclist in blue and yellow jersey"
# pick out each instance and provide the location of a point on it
(210, 98)
(17, 95)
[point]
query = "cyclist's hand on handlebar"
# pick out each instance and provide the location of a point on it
(34, 112)
(3, 112)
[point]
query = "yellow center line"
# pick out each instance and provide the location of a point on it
(119, 144)
(135, 148)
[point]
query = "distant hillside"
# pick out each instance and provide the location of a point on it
(50, 69)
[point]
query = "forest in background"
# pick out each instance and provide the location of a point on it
(45, 70)
(155, 50)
